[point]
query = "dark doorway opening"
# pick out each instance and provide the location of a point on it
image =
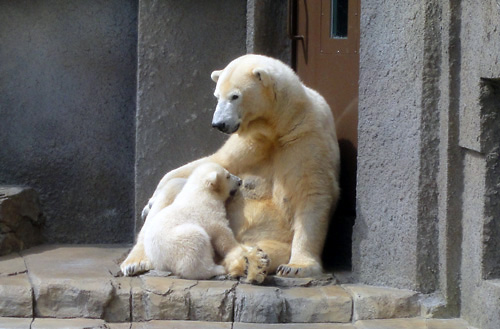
(326, 58)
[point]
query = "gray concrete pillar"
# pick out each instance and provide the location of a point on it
(180, 44)
(480, 139)
(395, 235)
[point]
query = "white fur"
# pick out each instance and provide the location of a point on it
(179, 238)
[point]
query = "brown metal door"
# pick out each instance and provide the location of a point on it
(327, 59)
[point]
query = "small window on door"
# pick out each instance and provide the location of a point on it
(339, 19)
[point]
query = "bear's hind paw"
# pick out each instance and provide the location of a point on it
(256, 265)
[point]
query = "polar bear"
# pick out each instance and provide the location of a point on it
(284, 146)
(180, 237)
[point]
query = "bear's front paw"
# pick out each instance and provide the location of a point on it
(132, 267)
(298, 270)
(256, 265)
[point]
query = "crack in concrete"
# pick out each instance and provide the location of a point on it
(109, 300)
(33, 298)
(13, 273)
(130, 303)
(222, 305)
(283, 315)
(188, 299)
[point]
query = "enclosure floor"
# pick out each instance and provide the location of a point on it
(81, 287)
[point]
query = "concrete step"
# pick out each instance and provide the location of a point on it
(82, 282)
(41, 323)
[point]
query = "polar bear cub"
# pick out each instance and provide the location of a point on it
(182, 237)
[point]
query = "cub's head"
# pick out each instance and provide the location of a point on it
(248, 90)
(217, 180)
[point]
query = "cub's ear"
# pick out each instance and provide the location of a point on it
(215, 75)
(262, 75)
(212, 180)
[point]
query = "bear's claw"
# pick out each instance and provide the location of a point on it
(135, 268)
(288, 271)
(299, 270)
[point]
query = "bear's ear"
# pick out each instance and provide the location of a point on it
(212, 180)
(262, 75)
(215, 75)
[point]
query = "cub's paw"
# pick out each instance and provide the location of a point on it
(256, 265)
(132, 267)
(298, 270)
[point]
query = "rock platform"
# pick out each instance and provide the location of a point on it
(80, 287)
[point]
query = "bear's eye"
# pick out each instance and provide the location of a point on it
(228, 176)
(234, 97)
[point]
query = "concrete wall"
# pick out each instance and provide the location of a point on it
(267, 29)
(180, 44)
(67, 109)
(450, 178)
(394, 238)
(480, 140)
(429, 154)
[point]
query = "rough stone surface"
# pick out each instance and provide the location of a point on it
(275, 305)
(450, 163)
(259, 304)
(67, 87)
(82, 282)
(20, 219)
(177, 299)
(490, 135)
(319, 304)
(393, 238)
(480, 298)
(180, 44)
(15, 288)
(16, 296)
(77, 282)
(212, 301)
(479, 136)
(382, 303)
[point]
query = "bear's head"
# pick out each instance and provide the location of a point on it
(214, 178)
(249, 90)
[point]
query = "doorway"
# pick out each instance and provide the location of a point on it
(326, 57)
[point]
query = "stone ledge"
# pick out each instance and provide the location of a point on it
(82, 282)
(383, 303)
(15, 289)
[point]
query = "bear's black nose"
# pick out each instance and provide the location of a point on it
(219, 125)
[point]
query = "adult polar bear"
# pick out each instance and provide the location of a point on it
(284, 146)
